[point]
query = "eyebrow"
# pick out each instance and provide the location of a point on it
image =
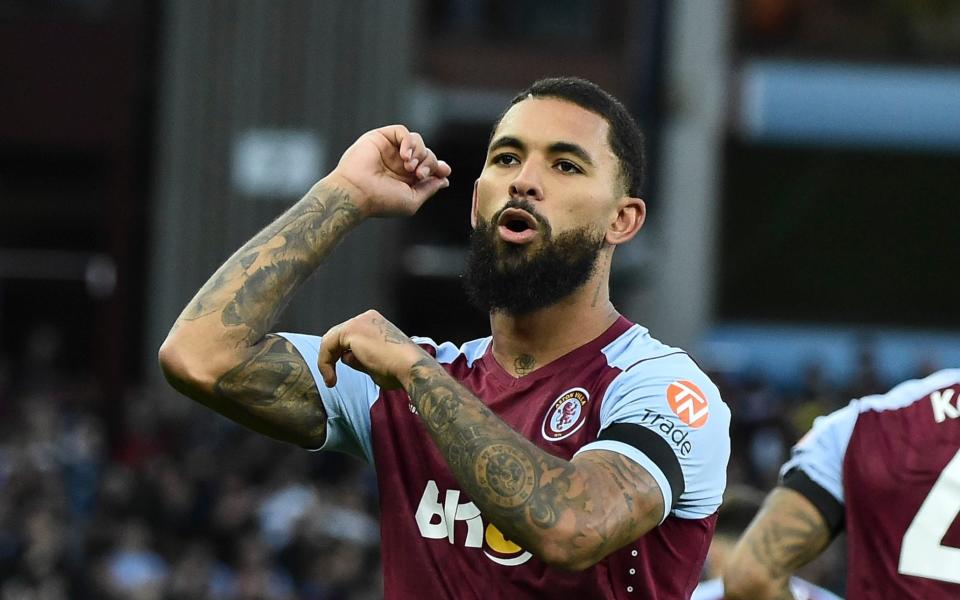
(554, 148)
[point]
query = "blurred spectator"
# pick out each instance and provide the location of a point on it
(133, 569)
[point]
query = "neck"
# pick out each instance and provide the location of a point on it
(524, 343)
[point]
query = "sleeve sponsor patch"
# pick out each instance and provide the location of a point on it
(689, 403)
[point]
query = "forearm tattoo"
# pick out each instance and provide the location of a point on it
(786, 537)
(270, 388)
(524, 490)
(256, 283)
(390, 332)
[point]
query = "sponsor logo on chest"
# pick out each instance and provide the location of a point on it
(566, 415)
(437, 517)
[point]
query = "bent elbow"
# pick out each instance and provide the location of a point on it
(566, 562)
(172, 364)
(181, 370)
(566, 556)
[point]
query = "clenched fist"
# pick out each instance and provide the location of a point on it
(390, 171)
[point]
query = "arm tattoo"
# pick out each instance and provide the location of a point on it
(527, 492)
(269, 388)
(788, 533)
(523, 364)
(255, 284)
(390, 333)
(273, 392)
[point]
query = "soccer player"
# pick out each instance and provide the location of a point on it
(567, 455)
(740, 505)
(886, 469)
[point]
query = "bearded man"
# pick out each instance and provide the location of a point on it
(569, 454)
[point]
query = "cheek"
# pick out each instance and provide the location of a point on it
(585, 210)
(486, 198)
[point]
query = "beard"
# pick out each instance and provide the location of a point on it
(515, 280)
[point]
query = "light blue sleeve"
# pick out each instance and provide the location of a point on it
(692, 419)
(347, 404)
(820, 452)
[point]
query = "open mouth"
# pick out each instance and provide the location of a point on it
(517, 226)
(517, 220)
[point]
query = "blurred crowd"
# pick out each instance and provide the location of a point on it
(184, 504)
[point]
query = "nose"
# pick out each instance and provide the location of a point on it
(527, 184)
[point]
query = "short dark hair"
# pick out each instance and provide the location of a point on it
(625, 137)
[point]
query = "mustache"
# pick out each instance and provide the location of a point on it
(525, 205)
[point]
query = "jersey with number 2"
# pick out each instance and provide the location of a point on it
(893, 461)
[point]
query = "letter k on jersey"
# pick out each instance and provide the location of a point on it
(689, 403)
(942, 409)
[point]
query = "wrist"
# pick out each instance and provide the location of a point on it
(418, 365)
(353, 194)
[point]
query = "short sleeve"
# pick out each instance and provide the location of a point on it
(668, 416)
(819, 454)
(347, 404)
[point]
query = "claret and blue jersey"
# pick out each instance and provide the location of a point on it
(886, 468)
(623, 392)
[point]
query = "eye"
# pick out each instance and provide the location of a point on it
(565, 166)
(505, 159)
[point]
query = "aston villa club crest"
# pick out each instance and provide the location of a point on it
(566, 414)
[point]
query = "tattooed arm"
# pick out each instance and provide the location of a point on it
(787, 533)
(219, 351)
(571, 514)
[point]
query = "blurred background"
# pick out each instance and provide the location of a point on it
(802, 241)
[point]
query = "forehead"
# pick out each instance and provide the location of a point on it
(536, 121)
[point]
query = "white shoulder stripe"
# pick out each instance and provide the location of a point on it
(908, 392)
(636, 345)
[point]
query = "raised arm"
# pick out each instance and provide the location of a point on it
(219, 351)
(570, 514)
(786, 534)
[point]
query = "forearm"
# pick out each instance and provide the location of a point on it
(219, 351)
(239, 304)
(543, 503)
(788, 533)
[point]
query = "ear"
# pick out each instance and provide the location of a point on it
(631, 213)
(473, 206)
